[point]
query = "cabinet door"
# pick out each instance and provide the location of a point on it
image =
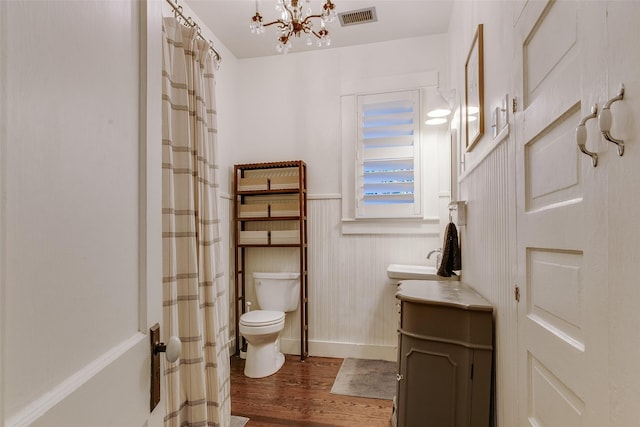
(434, 389)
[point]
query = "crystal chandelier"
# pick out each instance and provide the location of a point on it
(295, 21)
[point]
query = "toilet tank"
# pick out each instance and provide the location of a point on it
(277, 291)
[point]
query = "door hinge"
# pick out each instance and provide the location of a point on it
(516, 293)
(514, 104)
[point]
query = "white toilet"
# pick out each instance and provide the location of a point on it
(276, 293)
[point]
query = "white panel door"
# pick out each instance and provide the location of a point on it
(561, 222)
(80, 218)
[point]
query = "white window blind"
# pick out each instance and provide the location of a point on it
(388, 155)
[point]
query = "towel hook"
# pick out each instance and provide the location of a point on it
(604, 120)
(581, 135)
(461, 213)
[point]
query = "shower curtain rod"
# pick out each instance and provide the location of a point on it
(177, 9)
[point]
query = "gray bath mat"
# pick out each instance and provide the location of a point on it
(366, 378)
(237, 421)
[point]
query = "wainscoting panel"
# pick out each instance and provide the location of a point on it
(487, 263)
(352, 306)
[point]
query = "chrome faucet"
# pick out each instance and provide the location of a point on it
(438, 256)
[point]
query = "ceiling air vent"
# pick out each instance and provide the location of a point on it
(360, 16)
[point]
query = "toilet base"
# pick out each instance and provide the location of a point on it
(262, 361)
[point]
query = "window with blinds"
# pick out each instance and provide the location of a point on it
(388, 160)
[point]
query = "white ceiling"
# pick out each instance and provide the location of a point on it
(397, 19)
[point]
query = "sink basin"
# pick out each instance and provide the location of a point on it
(415, 272)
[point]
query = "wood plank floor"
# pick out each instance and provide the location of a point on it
(299, 394)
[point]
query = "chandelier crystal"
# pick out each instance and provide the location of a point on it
(295, 20)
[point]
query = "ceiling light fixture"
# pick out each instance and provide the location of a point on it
(439, 106)
(295, 21)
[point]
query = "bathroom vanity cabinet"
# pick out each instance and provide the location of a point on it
(270, 211)
(444, 356)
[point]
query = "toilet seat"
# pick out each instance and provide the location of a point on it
(257, 318)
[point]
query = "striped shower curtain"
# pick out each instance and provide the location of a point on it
(195, 297)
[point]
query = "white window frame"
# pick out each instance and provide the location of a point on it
(406, 156)
(428, 222)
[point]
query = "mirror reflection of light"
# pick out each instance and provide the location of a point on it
(472, 118)
(436, 121)
(472, 110)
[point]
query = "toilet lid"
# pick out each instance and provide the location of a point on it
(261, 318)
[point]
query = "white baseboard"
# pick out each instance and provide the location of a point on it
(336, 349)
(342, 350)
